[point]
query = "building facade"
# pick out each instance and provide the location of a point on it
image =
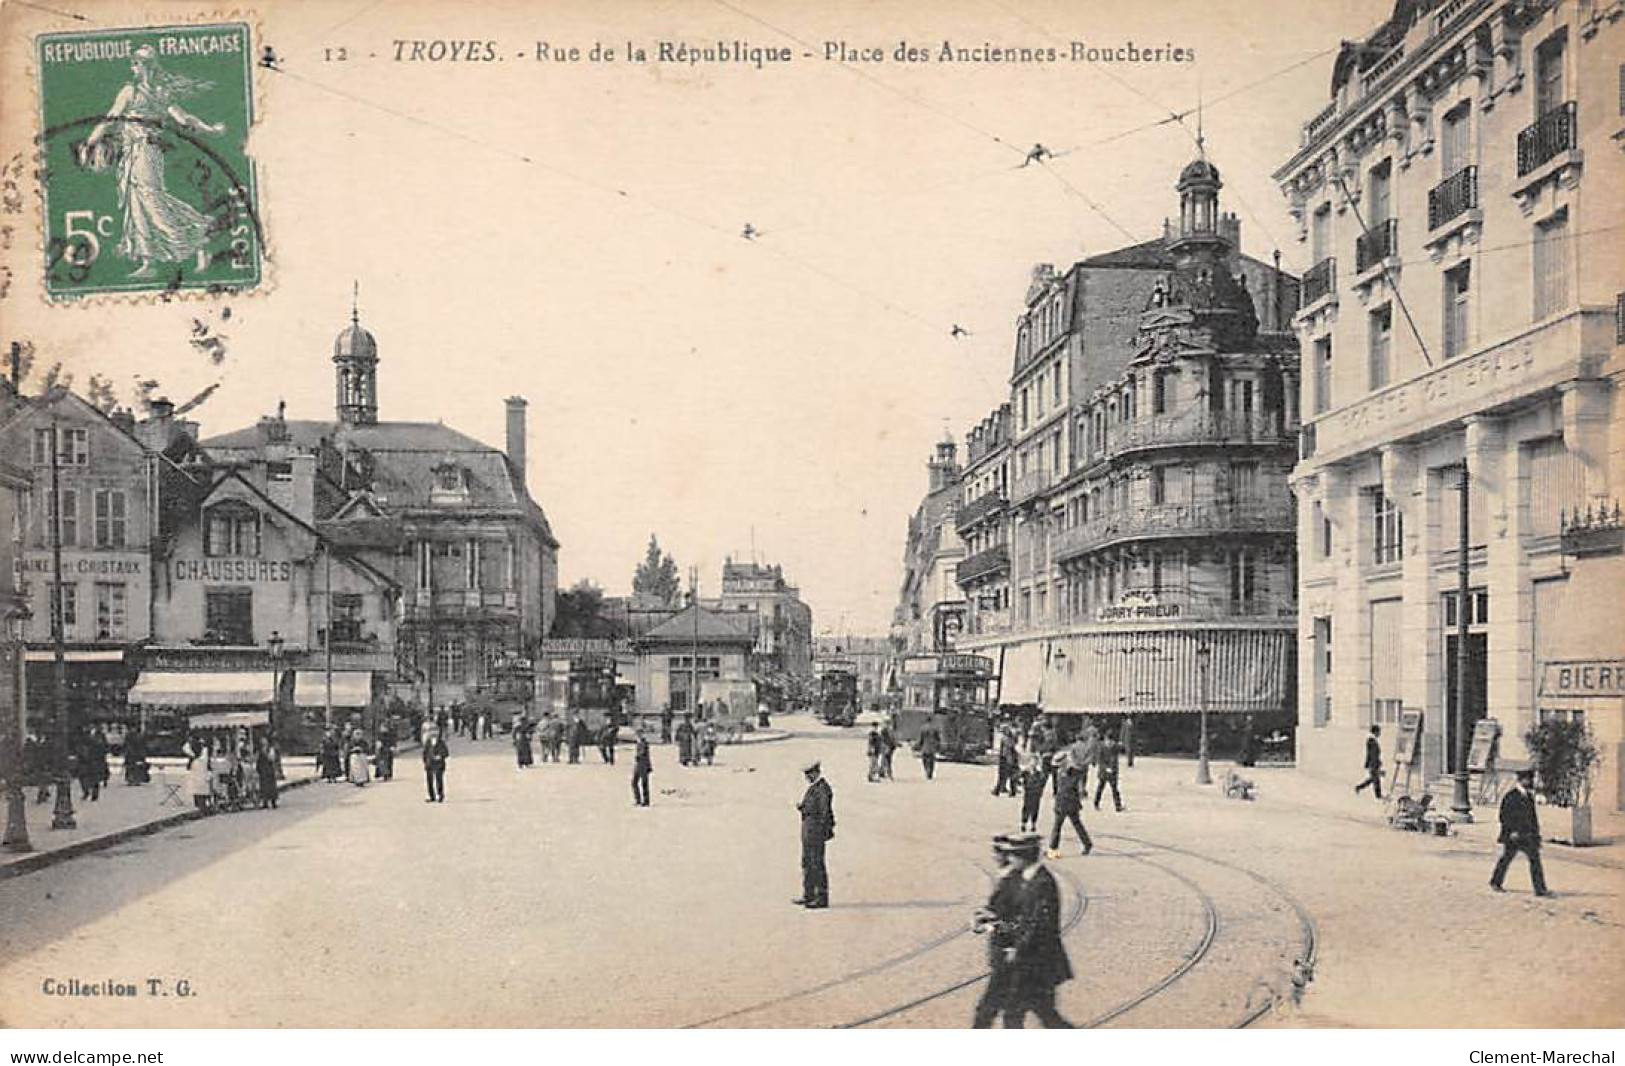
(871, 655)
(696, 644)
(115, 478)
(444, 518)
(930, 613)
(1461, 325)
(1126, 514)
(783, 623)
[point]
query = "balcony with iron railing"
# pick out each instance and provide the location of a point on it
(1177, 520)
(1598, 530)
(1379, 243)
(984, 506)
(986, 563)
(1199, 426)
(1549, 135)
(1031, 484)
(1453, 197)
(1319, 282)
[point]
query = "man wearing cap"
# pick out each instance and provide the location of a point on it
(817, 809)
(1070, 778)
(1520, 831)
(1025, 953)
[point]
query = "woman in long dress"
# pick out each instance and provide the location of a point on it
(157, 226)
(521, 743)
(359, 774)
(198, 778)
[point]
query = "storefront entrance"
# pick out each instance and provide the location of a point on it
(1477, 690)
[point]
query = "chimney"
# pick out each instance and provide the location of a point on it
(302, 497)
(516, 436)
(1230, 229)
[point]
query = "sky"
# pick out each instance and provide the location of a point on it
(571, 232)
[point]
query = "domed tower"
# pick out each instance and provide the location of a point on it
(355, 373)
(1201, 286)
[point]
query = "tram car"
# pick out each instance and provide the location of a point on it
(838, 691)
(509, 690)
(595, 693)
(952, 691)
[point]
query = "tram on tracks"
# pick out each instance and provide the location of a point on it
(950, 690)
(837, 691)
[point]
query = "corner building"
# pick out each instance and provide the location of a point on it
(1459, 197)
(1126, 515)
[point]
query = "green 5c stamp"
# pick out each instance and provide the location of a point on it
(147, 181)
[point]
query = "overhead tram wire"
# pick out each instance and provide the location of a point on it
(620, 193)
(900, 94)
(1388, 278)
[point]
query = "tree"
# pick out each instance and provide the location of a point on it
(656, 577)
(579, 612)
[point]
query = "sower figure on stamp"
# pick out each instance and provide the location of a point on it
(1025, 953)
(817, 809)
(157, 225)
(1520, 831)
(1373, 763)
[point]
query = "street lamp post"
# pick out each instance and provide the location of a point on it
(1461, 804)
(62, 813)
(16, 834)
(275, 644)
(1203, 654)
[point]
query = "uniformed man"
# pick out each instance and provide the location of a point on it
(1026, 956)
(817, 809)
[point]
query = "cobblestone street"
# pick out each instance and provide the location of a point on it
(351, 906)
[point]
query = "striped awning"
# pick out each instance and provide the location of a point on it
(351, 688)
(180, 688)
(1160, 672)
(1022, 674)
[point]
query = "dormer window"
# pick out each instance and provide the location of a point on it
(450, 483)
(231, 529)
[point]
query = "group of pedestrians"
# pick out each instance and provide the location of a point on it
(881, 746)
(696, 742)
(1038, 763)
(232, 773)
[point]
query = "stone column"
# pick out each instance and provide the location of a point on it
(1486, 449)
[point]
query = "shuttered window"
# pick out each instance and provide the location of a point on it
(1551, 263)
(1387, 649)
(1556, 485)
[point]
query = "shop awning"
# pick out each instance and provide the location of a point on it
(1022, 674)
(77, 655)
(228, 719)
(1160, 672)
(351, 688)
(188, 689)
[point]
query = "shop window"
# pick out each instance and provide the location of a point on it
(228, 616)
(111, 610)
(110, 518)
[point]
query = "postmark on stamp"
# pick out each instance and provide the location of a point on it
(147, 182)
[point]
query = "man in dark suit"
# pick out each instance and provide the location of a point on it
(1520, 831)
(1008, 763)
(1026, 955)
(930, 743)
(435, 754)
(1373, 762)
(817, 809)
(1069, 785)
(641, 767)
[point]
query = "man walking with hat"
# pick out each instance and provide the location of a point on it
(817, 809)
(1520, 831)
(1025, 953)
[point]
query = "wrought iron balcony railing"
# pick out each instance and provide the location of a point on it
(1031, 484)
(1319, 281)
(1452, 196)
(1193, 427)
(984, 563)
(1376, 244)
(1551, 133)
(984, 506)
(1177, 520)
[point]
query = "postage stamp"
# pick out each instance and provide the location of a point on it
(147, 182)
